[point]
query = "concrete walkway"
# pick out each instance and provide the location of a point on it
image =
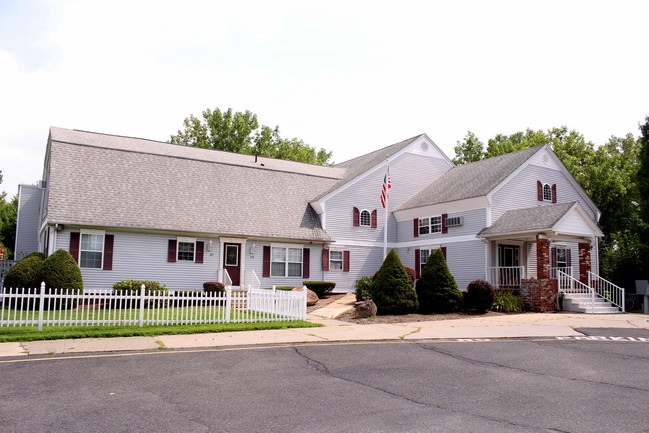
(508, 326)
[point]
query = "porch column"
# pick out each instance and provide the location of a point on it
(584, 262)
(542, 258)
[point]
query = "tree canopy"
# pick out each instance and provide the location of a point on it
(608, 173)
(8, 212)
(241, 133)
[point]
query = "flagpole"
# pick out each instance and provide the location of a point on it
(387, 203)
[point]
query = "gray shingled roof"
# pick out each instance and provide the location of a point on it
(470, 180)
(538, 218)
(357, 166)
(114, 181)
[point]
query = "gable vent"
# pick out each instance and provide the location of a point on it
(454, 221)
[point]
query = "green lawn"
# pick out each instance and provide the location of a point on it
(31, 333)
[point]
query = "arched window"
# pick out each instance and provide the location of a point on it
(366, 218)
(547, 192)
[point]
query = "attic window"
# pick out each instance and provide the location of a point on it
(366, 218)
(547, 192)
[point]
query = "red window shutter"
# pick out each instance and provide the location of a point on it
(553, 257)
(539, 190)
(554, 193)
(200, 248)
(325, 259)
(415, 227)
(75, 239)
(171, 250)
(357, 217)
(444, 252)
(418, 262)
(568, 258)
(306, 262)
(109, 242)
(266, 269)
(346, 259)
(444, 228)
(374, 219)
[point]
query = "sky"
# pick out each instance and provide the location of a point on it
(348, 76)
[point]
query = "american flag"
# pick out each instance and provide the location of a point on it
(387, 184)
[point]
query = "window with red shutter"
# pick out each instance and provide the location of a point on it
(346, 261)
(444, 228)
(554, 193)
(418, 262)
(200, 248)
(109, 241)
(306, 263)
(75, 239)
(325, 259)
(374, 218)
(171, 250)
(539, 190)
(415, 227)
(266, 260)
(357, 217)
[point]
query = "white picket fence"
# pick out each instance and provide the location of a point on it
(40, 307)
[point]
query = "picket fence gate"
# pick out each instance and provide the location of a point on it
(41, 307)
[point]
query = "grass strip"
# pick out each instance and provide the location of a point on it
(31, 333)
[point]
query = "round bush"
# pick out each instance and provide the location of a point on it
(61, 272)
(479, 296)
(321, 288)
(392, 290)
(363, 288)
(213, 287)
(25, 273)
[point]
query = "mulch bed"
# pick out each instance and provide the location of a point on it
(405, 318)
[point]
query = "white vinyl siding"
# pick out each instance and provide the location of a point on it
(28, 220)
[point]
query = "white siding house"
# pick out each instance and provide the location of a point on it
(129, 208)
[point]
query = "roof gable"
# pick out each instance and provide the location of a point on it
(470, 180)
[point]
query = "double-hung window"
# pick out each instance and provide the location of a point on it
(91, 250)
(423, 258)
(430, 225)
(335, 260)
(286, 262)
(186, 249)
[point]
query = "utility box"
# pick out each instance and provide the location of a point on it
(642, 287)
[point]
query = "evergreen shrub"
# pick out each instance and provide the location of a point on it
(25, 274)
(436, 289)
(363, 288)
(133, 287)
(321, 288)
(60, 271)
(213, 286)
(392, 290)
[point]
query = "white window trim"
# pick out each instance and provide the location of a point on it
(360, 218)
(430, 225)
(101, 233)
(550, 188)
(185, 240)
(341, 261)
(287, 246)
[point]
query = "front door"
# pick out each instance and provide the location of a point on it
(231, 262)
(508, 263)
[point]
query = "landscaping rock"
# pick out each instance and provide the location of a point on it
(365, 309)
(311, 297)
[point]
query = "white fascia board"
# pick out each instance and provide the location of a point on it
(556, 163)
(318, 206)
(456, 206)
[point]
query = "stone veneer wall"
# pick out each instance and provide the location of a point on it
(539, 295)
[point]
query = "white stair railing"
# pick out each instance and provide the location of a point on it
(227, 281)
(505, 276)
(607, 290)
(252, 281)
(570, 285)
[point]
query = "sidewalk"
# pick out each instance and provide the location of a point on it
(517, 325)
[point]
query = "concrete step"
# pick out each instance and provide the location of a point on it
(582, 303)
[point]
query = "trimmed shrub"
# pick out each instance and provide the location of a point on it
(507, 301)
(132, 287)
(25, 274)
(392, 290)
(213, 286)
(363, 288)
(321, 288)
(60, 271)
(436, 289)
(479, 296)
